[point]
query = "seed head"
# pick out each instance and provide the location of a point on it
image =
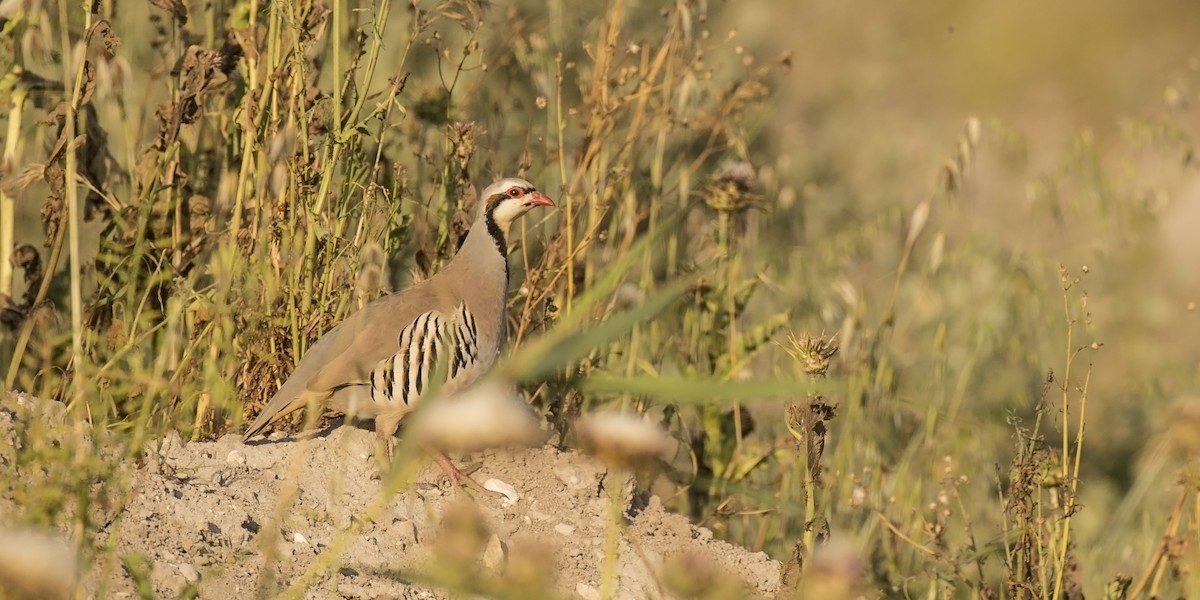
(730, 189)
(621, 440)
(487, 415)
(814, 353)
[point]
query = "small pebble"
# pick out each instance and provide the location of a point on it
(564, 529)
(236, 457)
(298, 538)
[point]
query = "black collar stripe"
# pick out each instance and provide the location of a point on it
(489, 218)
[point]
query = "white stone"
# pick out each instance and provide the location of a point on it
(511, 496)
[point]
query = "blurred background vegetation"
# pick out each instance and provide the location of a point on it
(989, 209)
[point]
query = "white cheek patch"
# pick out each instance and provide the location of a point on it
(509, 210)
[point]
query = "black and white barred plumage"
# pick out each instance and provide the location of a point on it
(423, 356)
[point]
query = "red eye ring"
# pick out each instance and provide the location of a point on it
(516, 192)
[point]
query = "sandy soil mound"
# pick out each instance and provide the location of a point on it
(201, 514)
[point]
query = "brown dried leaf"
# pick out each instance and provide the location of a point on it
(103, 29)
(89, 83)
(312, 29)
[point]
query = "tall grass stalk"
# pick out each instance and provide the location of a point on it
(7, 203)
(72, 194)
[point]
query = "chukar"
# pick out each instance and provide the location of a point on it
(445, 330)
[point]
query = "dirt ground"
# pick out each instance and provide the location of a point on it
(202, 514)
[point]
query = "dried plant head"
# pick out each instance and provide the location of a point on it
(464, 139)
(813, 352)
(26, 257)
(199, 224)
(620, 439)
(531, 564)
(486, 415)
(1031, 473)
(35, 564)
(730, 187)
(836, 571)
(1182, 433)
(464, 533)
(693, 575)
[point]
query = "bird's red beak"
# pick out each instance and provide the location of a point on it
(539, 199)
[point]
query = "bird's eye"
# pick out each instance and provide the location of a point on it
(515, 192)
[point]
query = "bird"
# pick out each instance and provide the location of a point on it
(436, 337)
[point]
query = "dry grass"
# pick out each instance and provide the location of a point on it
(245, 174)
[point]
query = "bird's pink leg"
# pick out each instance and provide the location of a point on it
(457, 477)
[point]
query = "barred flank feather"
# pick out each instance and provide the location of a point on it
(406, 375)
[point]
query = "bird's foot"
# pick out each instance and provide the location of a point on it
(459, 479)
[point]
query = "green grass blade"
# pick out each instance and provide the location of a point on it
(565, 345)
(705, 390)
